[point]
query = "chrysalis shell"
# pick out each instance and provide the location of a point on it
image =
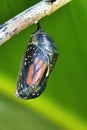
(39, 59)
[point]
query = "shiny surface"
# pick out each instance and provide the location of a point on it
(67, 86)
(38, 61)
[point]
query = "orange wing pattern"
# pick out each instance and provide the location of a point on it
(36, 72)
(39, 60)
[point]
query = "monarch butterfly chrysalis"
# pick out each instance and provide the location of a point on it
(38, 61)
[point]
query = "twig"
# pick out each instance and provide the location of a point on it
(28, 17)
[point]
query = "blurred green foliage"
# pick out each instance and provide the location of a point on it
(16, 116)
(63, 105)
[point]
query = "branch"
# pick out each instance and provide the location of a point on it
(28, 17)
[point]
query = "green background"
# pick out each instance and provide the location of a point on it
(63, 105)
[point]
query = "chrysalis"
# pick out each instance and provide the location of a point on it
(38, 61)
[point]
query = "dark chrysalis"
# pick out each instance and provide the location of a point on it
(38, 61)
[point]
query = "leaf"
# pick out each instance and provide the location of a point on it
(64, 102)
